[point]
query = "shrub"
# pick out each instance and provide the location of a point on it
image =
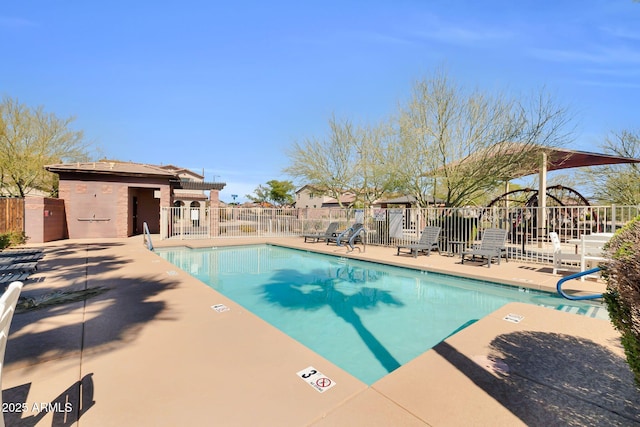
(247, 228)
(622, 297)
(12, 238)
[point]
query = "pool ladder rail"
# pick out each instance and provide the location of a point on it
(147, 236)
(353, 237)
(577, 276)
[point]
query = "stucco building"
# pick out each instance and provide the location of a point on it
(114, 199)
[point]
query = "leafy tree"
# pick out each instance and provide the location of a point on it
(620, 183)
(260, 195)
(29, 140)
(279, 193)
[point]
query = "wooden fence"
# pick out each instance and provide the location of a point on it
(11, 214)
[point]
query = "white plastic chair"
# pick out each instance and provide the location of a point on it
(562, 260)
(591, 251)
(8, 302)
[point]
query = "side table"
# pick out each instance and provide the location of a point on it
(456, 246)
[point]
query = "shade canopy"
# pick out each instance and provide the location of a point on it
(560, 158)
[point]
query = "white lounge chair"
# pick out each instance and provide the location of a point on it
(562, 260)
(8, 302)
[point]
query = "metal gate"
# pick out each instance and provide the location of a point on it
(185, 223)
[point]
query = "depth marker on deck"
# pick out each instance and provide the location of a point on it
(513, 318)
(220, 308)
(316, 379)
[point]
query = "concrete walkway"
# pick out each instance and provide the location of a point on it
(148, 350)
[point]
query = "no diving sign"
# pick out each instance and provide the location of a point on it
(316, 379)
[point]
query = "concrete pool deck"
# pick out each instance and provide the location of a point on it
(149, 350)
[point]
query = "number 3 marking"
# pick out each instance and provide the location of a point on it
(312, 372)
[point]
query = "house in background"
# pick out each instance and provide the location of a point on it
(309, 196)
(186, 197)
(114, 199)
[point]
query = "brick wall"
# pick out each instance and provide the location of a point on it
(45, 219)
(103, 207)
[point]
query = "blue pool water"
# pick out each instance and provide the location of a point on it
(367, 318)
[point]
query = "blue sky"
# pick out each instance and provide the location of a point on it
(227, 86)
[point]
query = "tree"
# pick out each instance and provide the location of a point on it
(326, 164)
(352, 159)
(446, 143)
(620, 183)
(458, 146)
(31, 139)
(279, 193)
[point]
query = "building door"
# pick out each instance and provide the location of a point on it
(134, 210)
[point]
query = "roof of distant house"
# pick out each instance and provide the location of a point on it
(178, 169)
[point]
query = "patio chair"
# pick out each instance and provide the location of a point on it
(562, 260)
(8, 303)
(591, 251)
(18, 266)
(428, 242)
(329, 232)
(491, 247)
(13, 276)
(33, 253)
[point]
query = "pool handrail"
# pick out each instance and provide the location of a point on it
(147, 236)
(351, 234)
(577, 276)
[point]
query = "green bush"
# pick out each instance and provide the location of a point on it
(247, 228)
(622, 297)
(12, 238)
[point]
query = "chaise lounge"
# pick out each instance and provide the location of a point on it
(491, 247)
(428, 242)
(329, 232)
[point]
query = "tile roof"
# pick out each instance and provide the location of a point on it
(111, 168)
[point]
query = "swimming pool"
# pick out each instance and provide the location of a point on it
(367, 318)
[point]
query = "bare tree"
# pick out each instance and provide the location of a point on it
(457, 146)
(619, 183)
(350, 160)
(30, 139)
(375, 173)
(327, 164)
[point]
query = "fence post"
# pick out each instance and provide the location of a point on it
(163, 223)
